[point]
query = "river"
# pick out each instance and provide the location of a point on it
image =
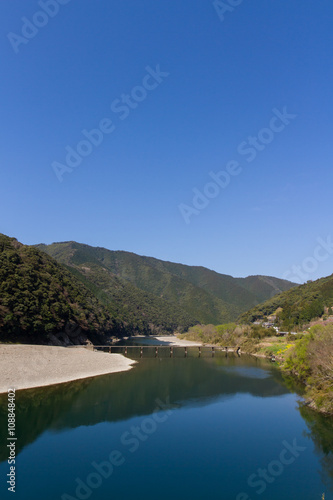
(211, 427)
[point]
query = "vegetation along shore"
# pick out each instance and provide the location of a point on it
(305, 357)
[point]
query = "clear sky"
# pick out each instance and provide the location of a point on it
(182, 92)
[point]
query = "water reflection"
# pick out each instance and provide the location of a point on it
(120, 396)
(188, 383)
(321, 433)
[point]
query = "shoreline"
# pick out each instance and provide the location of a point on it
(307, 400)
(31, 366)
(28, 366)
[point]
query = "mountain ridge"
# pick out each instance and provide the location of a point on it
(206, 295)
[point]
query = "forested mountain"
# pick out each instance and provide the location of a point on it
(138, 311)
(39, 297)
(298, 306)
(97, 291)
(204, 295)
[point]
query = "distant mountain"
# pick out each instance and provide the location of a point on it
(204, 296)
(139, 312)
(297, 306)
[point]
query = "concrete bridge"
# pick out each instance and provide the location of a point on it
(166, 350)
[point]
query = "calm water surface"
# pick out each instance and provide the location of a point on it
(225, 428)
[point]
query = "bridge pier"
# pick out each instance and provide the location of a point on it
(157, 350)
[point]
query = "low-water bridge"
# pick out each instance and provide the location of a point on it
(165, 349)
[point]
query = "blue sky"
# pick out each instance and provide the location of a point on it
(220, 78)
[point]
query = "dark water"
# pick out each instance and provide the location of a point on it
(224, 428)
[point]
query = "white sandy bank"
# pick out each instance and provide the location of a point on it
(171, 340)
(27, 366)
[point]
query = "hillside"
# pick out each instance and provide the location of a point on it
(204, 295)
(140, 312)
(39, 298)
(298, 306)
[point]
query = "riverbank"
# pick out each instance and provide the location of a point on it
(306, 358)
(28, 366)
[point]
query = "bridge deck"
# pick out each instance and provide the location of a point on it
(171, 348)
